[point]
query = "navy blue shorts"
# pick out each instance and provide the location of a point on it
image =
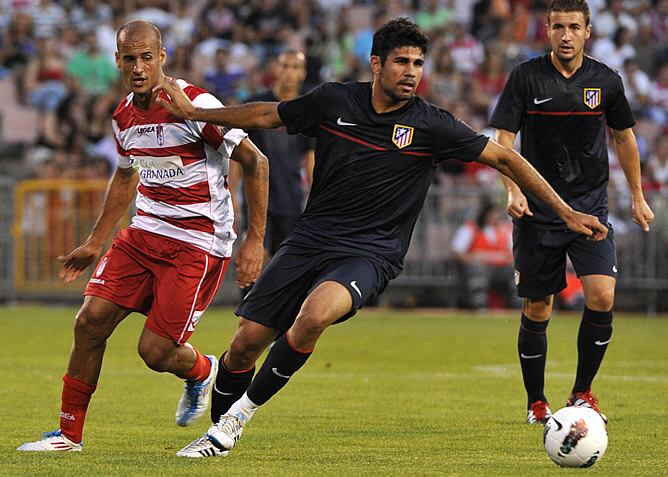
(277, 296)
(540, 258)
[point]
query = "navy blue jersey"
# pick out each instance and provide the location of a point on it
(372, 171)
(286, 156)
(562, 124)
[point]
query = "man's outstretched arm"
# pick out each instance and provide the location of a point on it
(261, 115)
(514, 166)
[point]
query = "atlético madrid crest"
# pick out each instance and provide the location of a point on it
(592, 97)
(402, 136)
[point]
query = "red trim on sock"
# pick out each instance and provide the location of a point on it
(532, 331)
(294, 348)
(235, 372)
(201, 369)
(74, 404)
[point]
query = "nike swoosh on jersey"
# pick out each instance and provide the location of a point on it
(341, 122)
(541, 101)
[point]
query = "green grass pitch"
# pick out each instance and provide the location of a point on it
(387, 393)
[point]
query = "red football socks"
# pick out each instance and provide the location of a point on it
(75, 399)
(201, 369)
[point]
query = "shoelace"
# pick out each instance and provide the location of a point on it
(229, 425)
(539, 409)
(56, 433)
(194, 391)
(198, 443)
(588, 398)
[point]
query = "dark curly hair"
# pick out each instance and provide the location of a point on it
(397, 33)
(570, 6)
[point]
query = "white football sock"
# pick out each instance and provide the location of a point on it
(243, 409)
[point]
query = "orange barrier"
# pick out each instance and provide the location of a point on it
(51, 218)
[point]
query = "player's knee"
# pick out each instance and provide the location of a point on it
(537, 310)
(243, 353)
(600, 299)
(309, 323)
(154, 358)
(92, 326)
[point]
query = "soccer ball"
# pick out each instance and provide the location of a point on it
(575, 437)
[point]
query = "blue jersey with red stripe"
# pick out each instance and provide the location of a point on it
(562, 125)
(372, 171)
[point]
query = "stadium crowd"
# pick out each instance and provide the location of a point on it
(59, 57)
(59, 83)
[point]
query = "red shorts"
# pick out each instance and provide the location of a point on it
(171, 282)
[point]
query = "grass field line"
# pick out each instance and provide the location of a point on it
(507, 371)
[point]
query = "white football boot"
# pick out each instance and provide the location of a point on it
(226, 432)
(196, 396)
(201, 447)
(53, 441)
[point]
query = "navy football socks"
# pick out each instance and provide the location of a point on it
(281, 363)
(532, 350)
(593, 338)
(228, 388)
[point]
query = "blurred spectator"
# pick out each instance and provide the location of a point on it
(17, 47)
(183, 26)
(467, 51)
(483, 248)
(446, 84)
(220, 79)
(435, 15)
(487, 83)
(64, 128)
(611, 19)
(657, 166)
(616, 50)
(48, 17)
(93, 72)
(637, 86)
(45, 84)
(88, 15)
(659, 96)
(180, 65)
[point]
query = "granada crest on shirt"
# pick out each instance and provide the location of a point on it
(592, 97)
(160, 134)
(402, 136)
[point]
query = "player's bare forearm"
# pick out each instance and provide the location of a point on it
(517, 205)
(120, 192)
(255, 167)
(246, 116)
(250, 254)
(252, 115)
(520, 171)
(628, 156)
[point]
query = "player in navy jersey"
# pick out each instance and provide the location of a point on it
(377, 148)
(561, 103)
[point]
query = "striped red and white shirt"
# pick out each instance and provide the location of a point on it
(183, 166)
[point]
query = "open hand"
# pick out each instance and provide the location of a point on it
(176, 102)
(75, 263)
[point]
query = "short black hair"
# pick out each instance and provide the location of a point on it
(397, 33)
(570, 6)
